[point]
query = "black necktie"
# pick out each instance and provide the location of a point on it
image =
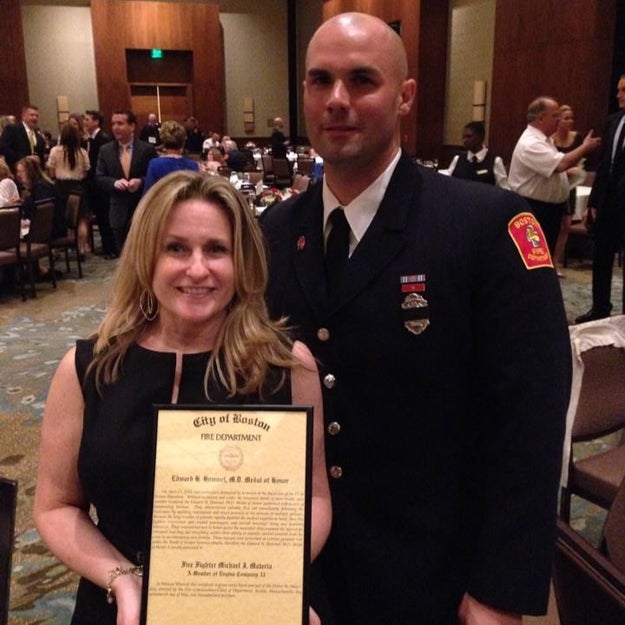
(474, 159)
(337, 249)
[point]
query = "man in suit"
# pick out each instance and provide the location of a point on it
(98, 200)
(122, 166)
(278, 140)
(437, 318)
(23, 139)
(606, 211)
(151, 132)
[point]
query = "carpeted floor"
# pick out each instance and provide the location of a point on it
(33, 337)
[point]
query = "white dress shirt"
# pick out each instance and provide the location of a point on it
(533, 168)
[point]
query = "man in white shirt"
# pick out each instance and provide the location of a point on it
(538, 169)
(477, 163)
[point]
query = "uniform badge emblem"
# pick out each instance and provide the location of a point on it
(528, 237)
(415, 311)
(301, 243)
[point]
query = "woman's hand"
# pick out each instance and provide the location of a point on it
(127, 591)
(313, 619)
(472, 612)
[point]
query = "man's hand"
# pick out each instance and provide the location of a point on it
(591, 143)
(472, 612)
(121, 184)
(134, 184)
(590, 217)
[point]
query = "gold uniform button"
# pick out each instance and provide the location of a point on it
(329, 381)
(323, 334)
(334, 428)
(336, 472)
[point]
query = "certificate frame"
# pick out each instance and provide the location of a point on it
(228, 521)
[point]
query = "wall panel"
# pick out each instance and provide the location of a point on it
(121, 24)
(13, 79)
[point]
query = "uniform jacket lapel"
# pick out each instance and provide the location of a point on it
(384, 240)
(386, 236)
(307, 245)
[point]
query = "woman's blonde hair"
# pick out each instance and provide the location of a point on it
(249, 343)
(173, 135)
(5, 171)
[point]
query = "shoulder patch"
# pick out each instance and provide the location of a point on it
(528, 237)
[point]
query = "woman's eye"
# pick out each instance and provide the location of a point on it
(217, 248)
(174, 248)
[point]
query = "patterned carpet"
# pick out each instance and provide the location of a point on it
(33, 337)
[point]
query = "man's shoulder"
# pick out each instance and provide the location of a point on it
(280, 213)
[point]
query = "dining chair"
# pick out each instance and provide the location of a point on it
(10, 234)
(254, 176)
(305, 166)
(596, 409)
(8, 504)
(282, 173)
(589, 582)
(269, 176)
(38, 242)
(70, 240)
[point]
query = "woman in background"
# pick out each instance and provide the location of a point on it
(68, 165)
(566, 139)
(214, 160)
(9, 193)
(187, 324)
(36, 186)
(173, 137)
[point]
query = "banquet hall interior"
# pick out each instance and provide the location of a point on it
(236, 65)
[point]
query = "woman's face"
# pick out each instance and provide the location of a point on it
(72, 121)
(194, 273)
(21, 175)
(567, 120)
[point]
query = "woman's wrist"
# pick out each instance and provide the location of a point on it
(116, 573)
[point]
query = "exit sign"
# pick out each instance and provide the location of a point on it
(156, 53)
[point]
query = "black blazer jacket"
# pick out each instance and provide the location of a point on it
(15, 144)
(109, 169)
(443, 440)
(94, 145)
(608, 190)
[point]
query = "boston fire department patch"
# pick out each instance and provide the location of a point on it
(529, 239)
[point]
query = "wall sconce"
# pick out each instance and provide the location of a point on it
(248, 115)
(479, 100)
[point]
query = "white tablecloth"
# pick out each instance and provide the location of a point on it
(581, 201)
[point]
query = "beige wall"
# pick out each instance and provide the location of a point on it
(256, 64)
(470, 58)
(59, 59)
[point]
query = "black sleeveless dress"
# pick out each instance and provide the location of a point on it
(116, 445)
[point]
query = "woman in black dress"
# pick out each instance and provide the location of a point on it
(187, 323)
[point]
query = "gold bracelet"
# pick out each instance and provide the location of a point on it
(115, 573)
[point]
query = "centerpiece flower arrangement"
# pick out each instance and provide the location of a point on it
(273, 194)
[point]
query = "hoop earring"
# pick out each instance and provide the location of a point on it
(148, 305)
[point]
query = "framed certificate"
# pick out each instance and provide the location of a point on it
(229, 516)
